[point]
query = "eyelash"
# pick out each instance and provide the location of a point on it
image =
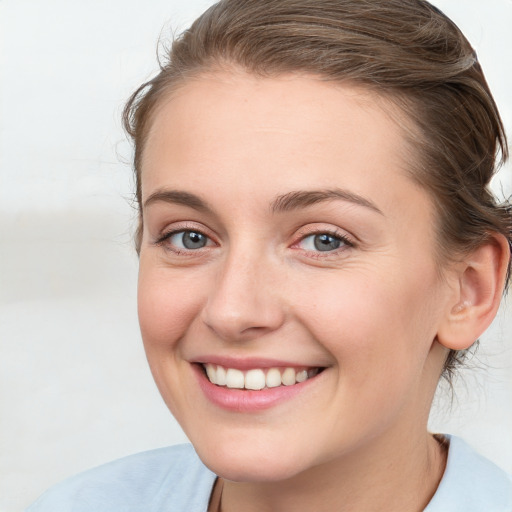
(344, 239)
(346, 242)
(165, 237)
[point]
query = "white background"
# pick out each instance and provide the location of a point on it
(75, 390)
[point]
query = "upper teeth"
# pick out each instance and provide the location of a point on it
(257, 378)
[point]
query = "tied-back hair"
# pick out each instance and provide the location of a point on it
(404, 51)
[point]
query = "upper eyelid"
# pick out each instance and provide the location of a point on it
(186, 225)
(300, 233)
(167, 233)
(318, 230)
(345, 240)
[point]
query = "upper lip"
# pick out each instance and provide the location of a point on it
(248, 363)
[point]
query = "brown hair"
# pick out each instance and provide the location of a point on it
(405, 50)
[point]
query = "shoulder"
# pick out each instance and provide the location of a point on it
(170, 479)
(471, 483)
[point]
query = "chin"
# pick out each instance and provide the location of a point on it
(252, 464)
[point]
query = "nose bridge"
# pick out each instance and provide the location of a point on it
(243, 302)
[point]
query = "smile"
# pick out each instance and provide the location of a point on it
(257, 378)
(251, 386)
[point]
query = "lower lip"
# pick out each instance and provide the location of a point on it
(242, 400)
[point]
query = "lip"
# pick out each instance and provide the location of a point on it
(242, 400)
(245, 364)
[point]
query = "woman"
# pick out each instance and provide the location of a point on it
(317, 246)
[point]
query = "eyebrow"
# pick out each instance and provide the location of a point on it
(304, 198)
(178, 197)
(282, 203)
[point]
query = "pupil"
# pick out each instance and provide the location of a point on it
(327, 242)
(193, 240)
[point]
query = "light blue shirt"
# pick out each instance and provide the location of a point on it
(175, 480)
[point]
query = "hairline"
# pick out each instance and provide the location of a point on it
(387, 99)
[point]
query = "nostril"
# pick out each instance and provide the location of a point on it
(240, 305)
(230, 327)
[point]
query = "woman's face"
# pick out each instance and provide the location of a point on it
(283, 241)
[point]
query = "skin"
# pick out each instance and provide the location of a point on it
(369, 312)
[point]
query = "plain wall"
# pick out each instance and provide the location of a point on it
(75, 390)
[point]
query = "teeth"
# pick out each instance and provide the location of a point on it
(220, 377)
(301, 376)
(212, 373)
(234, 379)
(256, 378)
(273, 378)
(288, 377)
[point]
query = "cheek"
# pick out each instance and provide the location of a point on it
(168, 303)
(374, 324)
(379, 333)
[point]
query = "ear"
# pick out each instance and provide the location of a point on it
(480, 279)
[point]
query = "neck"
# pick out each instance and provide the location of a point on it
(380, 478)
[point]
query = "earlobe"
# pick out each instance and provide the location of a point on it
(480, 281)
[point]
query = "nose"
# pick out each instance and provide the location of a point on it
(243, 302)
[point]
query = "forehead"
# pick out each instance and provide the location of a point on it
(240, 129)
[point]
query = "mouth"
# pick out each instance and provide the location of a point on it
(257, 379)
(255, 385)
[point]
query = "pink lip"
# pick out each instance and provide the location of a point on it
(249, 363)
(241, 400)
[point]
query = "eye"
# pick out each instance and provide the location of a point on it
(189, 240)
(323, 242)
